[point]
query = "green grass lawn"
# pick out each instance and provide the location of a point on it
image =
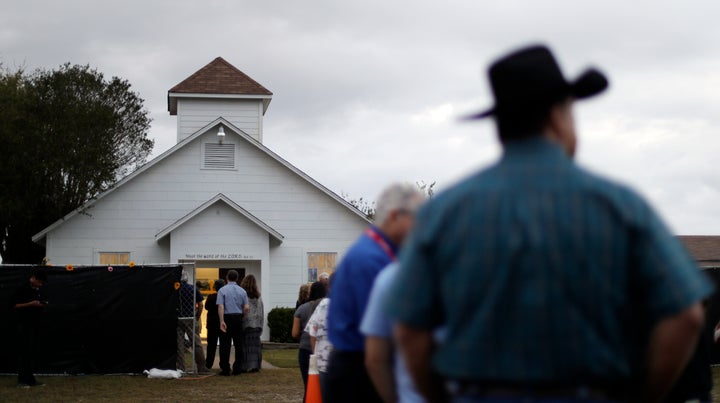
(282, 384)
(269, 385)
(287, 358)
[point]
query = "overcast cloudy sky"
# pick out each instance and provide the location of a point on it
(369, 92)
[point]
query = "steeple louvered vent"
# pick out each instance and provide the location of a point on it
(219, 156)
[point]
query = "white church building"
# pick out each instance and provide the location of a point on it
(219, 199)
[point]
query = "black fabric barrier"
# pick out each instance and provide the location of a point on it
(712, 314)
(98, 320)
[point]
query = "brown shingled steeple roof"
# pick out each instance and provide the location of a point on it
(218, 77)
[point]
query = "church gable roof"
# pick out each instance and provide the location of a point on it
(217, 199)
(217, 77)
(231, 129)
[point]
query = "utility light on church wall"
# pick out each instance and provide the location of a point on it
(221, 134)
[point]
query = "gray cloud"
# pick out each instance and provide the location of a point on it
(370, 92)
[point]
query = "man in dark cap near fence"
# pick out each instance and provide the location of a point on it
(553, 284)
(29, 304)
(189, 304)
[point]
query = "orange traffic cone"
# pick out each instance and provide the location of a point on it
(313, 395)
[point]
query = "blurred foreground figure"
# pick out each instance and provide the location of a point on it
(695, 384)
(347, 379)
(553, 284)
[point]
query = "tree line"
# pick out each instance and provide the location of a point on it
(65, 136)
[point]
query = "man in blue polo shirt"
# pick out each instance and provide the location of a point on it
(232, 304)
(553, 284)
(347, 378)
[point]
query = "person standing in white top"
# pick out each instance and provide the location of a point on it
(319, 341)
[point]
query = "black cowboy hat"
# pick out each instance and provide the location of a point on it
(530, 78)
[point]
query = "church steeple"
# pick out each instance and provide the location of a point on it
(219, 89)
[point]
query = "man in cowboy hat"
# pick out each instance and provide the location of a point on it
(551, 282)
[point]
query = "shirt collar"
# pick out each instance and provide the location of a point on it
(390, 243)
(536, 147)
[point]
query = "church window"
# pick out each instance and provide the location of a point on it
(319, 263)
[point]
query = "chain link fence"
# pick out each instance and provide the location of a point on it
(190, 353)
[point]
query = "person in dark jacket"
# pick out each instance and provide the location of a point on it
(212, 324)
(29, 306)
(190, 301)
(300, 320)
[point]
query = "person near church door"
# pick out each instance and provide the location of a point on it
(232, 304)
(212, 324)
(190, 302)
(253, 323)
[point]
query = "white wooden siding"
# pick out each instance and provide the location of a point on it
(194, 113)
(218, 230)
(128, 218)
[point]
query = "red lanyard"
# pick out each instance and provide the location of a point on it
(381, 242)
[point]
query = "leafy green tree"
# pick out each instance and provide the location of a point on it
(65, 136)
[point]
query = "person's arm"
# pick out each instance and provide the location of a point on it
(416, 346)
(198, 303)
(221, 314)
(672, 343)
(296, 332)
(246, 309)
(378, 361)
(313, 340)
(31, 304)
(262, 313)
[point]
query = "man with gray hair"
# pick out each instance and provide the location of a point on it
(376, 248)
